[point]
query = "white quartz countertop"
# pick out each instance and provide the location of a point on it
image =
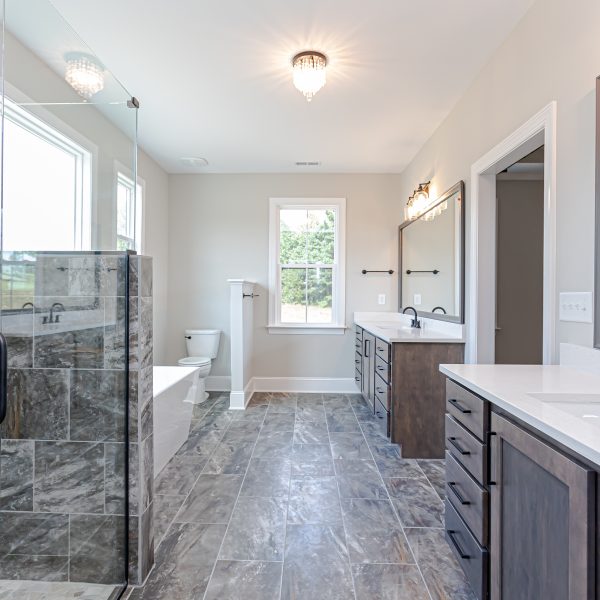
(561, 402)
(394, 327)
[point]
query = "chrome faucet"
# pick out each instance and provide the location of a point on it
(415, 322)
(52, 318)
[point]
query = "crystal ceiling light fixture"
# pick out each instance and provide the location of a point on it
(84, 74)
(310, 72)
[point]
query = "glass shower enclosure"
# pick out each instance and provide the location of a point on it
(68, 138)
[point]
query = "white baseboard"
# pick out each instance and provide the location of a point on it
(331, 385)
(239, 400)
(218, 383)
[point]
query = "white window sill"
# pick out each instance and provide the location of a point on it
(307, 329)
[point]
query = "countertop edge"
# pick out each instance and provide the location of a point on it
(566, 440)
(371, 327)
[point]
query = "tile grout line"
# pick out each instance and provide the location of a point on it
(340, 497)
(234, 505)
(396, 512)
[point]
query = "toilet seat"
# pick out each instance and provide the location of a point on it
(194, 361)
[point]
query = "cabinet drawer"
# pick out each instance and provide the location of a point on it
(382, 349)
(382, 418)
(358, 361)
(469, 499)
(382, 392)
(472, 557)
(467, 449)
(468, 409)
(382, 368)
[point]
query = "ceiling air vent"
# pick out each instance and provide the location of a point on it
(193, 161)
(308, 163)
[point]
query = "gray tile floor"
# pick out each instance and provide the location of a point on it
(298, 497)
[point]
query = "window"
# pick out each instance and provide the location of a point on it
(47, 183)
(129, 214)
(307, 259)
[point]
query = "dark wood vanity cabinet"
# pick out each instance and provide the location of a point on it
(520, 512)
(542, 516)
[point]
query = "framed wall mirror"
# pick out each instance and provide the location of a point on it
(431, 259)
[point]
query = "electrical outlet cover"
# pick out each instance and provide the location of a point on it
(381, 299)
(417, 299)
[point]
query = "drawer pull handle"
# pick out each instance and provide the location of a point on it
(380, 368)
(380, 391)
(356, 361)
(456, 545)
(462, 451)
(463, 410)
(357, 379)
(379, 414)
(380, 349)
(452, 486)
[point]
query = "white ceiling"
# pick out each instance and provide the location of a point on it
(214, 81)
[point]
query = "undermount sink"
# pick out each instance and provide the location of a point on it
(582, 406)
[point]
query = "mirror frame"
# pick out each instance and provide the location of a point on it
(457, 188)
(597, 225)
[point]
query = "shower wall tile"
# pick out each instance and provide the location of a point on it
(114, 475)
(18, 330)
(51, 275)
(97, 409)
(97, 544)
(16, 474)
(69, 477)
(34, 533)
(34, 567)
(79, 349)
(115, 330)
(113, 275)
(38, 405)
(84, 277)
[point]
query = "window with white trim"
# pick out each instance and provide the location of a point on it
(129, 214)
(307, 264)
(47, 186)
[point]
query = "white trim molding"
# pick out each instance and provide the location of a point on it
(338, 267)
(537, 131)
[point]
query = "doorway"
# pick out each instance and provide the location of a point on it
(539, 130)
(520, 261)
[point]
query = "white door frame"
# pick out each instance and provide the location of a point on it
(481, 278)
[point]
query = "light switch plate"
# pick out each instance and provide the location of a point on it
(576, 307)
(417, 299)
(381, 299)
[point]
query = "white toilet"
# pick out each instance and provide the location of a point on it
(202, 346)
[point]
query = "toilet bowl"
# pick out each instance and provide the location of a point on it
(202, 346)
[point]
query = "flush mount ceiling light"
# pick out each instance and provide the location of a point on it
(309, 69)
(84, 74)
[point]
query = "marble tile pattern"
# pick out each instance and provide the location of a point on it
(308, 504)
(62, 445)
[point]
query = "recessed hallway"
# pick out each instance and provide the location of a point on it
(298, 497)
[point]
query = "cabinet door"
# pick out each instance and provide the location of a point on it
(368, 374)
(542, 519)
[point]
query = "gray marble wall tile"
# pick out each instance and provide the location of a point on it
(134, 414)
(134, 333)
(145, 338)
(97, 405)
(51, 275)
(184, 562)
(146, 478)
(248, 580)
(145, 279)
(115, 331)
(69, 477)
(34, 533)
(146, 559)
(37, 404)
(389, 582)
(316, 563)
(211, 500)
(417, 503)
(114, 479)
(84, 276)
(34, 567)
(16, 474)
(20, 351)
(134, 478)
(18, 329)
(259, 538)
(97, 547)
(267, 478)
(112, 275)
(78, 349)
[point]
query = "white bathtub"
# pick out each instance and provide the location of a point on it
(175, 393)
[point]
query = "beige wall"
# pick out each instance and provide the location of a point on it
(218, 229)
(553, 54)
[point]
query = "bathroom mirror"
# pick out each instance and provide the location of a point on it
(597, 241)
(431, 259)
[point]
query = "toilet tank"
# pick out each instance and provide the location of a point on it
(202, 342)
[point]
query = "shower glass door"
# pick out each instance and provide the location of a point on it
(68, 135)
